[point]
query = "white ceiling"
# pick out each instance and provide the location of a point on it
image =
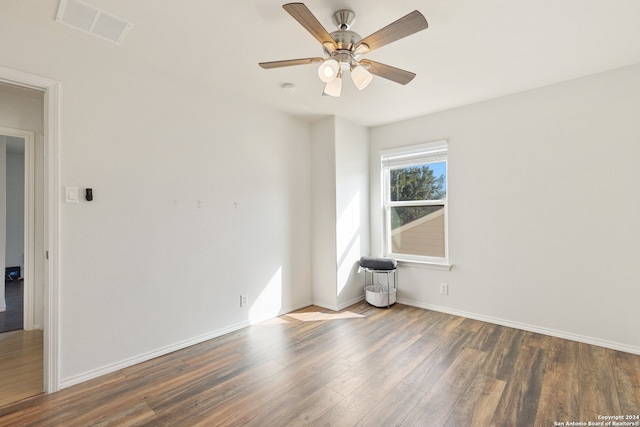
(473, 50)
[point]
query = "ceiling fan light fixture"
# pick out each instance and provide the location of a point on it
(361, 77)
(333, 88)
(328, 70)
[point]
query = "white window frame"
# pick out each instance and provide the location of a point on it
(434, 152)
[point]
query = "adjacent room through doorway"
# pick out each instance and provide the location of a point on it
(12, 200)
(21, 298)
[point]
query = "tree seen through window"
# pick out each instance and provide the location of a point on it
(422, 182)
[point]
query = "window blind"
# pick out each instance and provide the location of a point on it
(416, 155)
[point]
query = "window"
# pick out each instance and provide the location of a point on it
(415, 203)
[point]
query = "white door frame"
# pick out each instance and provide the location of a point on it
(51, 89)
(29, 138)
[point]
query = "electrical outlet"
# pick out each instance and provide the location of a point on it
(444, 289)
(244, 300)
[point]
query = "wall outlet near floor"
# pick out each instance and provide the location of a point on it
(444, 289)
(244, 300)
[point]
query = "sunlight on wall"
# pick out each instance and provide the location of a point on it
(348, 240)
(269, 302)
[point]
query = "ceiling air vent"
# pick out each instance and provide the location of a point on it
(90, 19)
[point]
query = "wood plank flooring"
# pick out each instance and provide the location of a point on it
(21, 374)
(364, 366)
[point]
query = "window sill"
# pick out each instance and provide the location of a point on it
(425, 264)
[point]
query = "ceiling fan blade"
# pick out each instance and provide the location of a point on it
(403, 27)
(290, 62)
(303, 15)
(388, 72)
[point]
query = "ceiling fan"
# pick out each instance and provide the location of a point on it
(344, 48)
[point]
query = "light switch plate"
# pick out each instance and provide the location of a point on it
(71, 194)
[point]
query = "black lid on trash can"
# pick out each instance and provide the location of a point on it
(378, 263)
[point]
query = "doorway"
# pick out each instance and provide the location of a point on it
(48, 252)
(21, 335)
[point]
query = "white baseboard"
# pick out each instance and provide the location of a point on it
(350, 302)
(326, 306)
(525, 327)
(338, 307)
(113, 367)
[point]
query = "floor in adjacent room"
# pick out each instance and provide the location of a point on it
(21, 374)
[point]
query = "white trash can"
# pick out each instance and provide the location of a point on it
(379, 296)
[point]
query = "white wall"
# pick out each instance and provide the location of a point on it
(352, 208)
(323, 217)
(191, 209)
(198, 198)
(543, 209)
(15, 211)
(340, 217)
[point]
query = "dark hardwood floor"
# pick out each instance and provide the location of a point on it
(362, 366)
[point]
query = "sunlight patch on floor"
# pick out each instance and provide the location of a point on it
(315, 316)
(274, 321)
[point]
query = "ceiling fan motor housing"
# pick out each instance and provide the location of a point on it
(345, 54)
(344, 18)
(346, 40)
